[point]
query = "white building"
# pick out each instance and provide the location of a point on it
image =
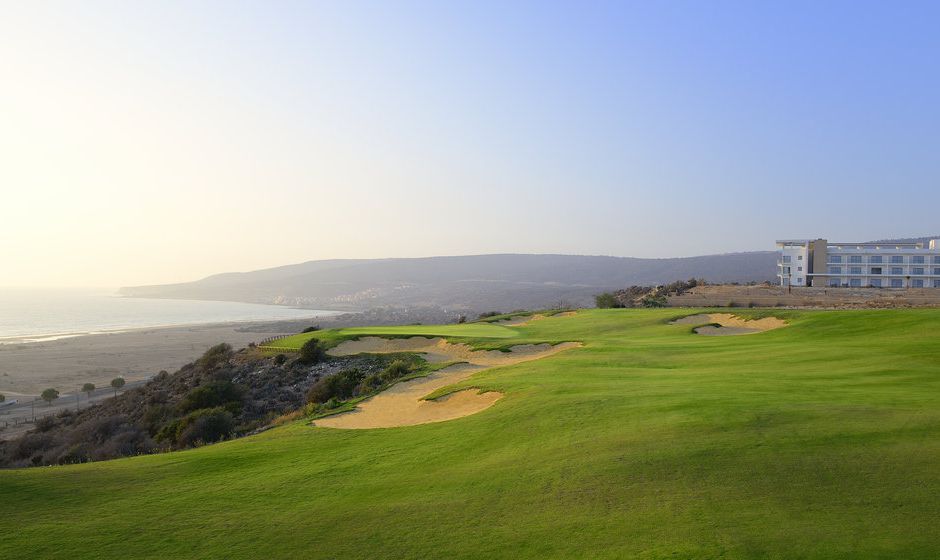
(816, 262)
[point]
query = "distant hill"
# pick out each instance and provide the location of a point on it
(479, 282)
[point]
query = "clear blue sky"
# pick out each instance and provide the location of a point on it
(155, 142)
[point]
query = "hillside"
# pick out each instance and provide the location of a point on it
(467, 282)
(649, 441)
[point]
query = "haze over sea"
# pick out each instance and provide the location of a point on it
(28, 315)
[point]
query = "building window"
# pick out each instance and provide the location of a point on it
(799, 280)
(855, 259)
(855, 270)
(936, 271)
(876, 270)
(875, 259)
(786, 258)
(833, 282)
(936, 283)
(917, 270)
(835, 270)
(897, 270)
(917, 259)
(876, 282)
(936, 259)
(897, 259)
(799, 269)
(855, 282)
(918, 282)
(799, 257)
(897, 283)
(835, 258)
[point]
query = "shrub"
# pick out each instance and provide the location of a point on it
(607, 300)
(211, 395)
(215, 357)
(204, 426)
(88, 389)
(340, 386)
(280, 359)
(396, 369)
(461, 319)
(653, 301)
(311, 352)
(489, 314)
(2, 397)
(314, 328)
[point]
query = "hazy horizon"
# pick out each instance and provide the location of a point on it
(152, 143)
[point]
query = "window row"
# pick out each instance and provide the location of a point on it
(877, 270)
(879, 283)
(878, 259)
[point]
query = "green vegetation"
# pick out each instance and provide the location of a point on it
(117, 383)
(817, 440)
(88, 389)
(49, 395)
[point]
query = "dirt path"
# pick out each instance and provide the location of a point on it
(402, 404)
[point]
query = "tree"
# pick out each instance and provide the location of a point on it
(116, 384)
(88, 389)
(311, 352)
(462, 319)
(49, 395)
(2, 397)
(607, 300)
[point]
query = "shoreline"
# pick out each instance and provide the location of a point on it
(52, 337)
(27, 368)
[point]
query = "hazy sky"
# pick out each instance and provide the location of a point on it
(157, 142)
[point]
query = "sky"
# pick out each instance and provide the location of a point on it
(153, 142)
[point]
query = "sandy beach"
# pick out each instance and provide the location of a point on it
(67, 363)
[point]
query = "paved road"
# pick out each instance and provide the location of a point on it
(16, 419)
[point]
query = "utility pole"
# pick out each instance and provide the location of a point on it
(32, 408)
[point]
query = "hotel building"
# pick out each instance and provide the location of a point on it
(804, 262)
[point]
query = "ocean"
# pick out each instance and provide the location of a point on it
(40, 315)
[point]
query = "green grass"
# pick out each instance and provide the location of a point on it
(334, 336)
(818, 440)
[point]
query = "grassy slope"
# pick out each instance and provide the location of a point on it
(820, 440)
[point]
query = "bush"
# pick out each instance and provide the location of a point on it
(340, 386)
(396, 369)
(215, 357)
(311, 352)
(280, 359)
(314, 328)
(88, 388)
(607, 300)
(489, 314)
(653, 301)
(211, 395)
(204, 426)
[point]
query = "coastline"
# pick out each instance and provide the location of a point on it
(67, 361)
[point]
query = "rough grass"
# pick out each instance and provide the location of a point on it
(819, 440)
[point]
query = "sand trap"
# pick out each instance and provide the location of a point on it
(520, 321)
(526, 319)
(401, 404)
(730, 324)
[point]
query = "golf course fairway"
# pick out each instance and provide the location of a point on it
(819, 439)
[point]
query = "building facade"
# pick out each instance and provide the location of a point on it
(816, 262)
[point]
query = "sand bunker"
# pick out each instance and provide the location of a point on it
(520, 321)
(730, 324)
(401, 404)
(526, 319)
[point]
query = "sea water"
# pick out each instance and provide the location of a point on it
(28, 315)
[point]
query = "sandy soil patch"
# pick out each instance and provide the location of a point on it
(402, 404)
(520, 321)
(730, 324)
